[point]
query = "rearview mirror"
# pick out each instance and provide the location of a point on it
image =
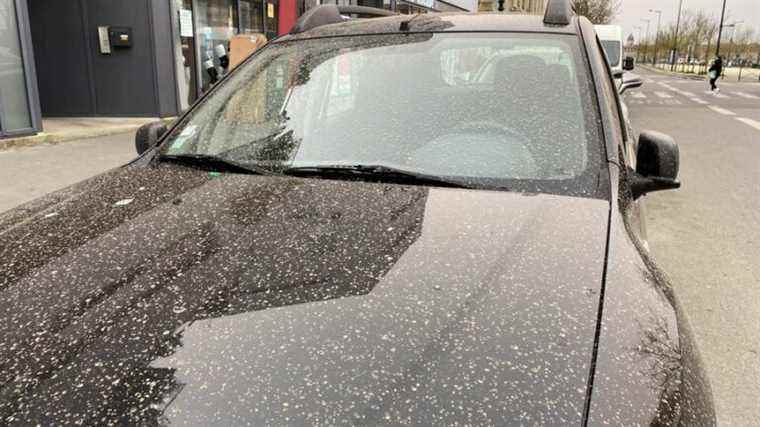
(148, 136)
(628, 63)
(657, 163)
(630, 81)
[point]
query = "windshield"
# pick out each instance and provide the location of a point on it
(500, 110)
(612, 50)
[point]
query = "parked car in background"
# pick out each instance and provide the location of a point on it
(611, 37)
(362, 224)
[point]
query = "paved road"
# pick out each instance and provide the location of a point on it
(707, 234)
(30, 172)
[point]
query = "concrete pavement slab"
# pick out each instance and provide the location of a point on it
(30, 172)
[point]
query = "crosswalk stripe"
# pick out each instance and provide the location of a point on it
(753, 123)
(721, 110)
(686, 94)
(663, 95)
(717, 95)
(638, 95)
(746, 95)
(698, 101)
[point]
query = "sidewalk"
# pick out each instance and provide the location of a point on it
(29, 172)
(749, 75)
(57, 130)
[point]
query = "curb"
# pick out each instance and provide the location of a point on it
(58, 138)
(672, 73)
(702, 77)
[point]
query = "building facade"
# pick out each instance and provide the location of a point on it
(136, 58)
(534, 7)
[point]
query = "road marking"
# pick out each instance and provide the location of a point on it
(699, 101)
(746, 95)
(717, 94)
(638, 95)
(755, 124)
(687, 94)
(721, 110)
(663, 95)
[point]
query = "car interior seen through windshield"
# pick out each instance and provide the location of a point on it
(500, 112)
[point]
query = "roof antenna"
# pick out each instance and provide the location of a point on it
(405, 24)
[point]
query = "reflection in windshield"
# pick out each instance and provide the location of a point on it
(235, 246)
(505, 111)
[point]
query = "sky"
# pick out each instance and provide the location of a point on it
(632, 11)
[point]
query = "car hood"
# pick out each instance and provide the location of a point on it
(173, 295)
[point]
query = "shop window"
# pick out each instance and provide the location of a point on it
(217, 23)
(271, 19)
(251, 17)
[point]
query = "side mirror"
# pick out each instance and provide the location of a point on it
(628, 63)
(630, 81)
(148, 136)
(657, 162)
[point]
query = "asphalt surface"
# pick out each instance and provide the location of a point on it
(27, 173)
(706, 235)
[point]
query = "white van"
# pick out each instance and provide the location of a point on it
(611, 37)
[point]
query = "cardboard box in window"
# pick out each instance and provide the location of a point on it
(242, 46)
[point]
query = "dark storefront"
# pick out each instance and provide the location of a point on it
(136, 58)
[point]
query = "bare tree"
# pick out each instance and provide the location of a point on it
(741, 48)
(704, 31)
(597, 11)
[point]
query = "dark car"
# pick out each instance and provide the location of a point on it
(363, 225)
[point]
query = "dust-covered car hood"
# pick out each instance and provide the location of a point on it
(171, 295)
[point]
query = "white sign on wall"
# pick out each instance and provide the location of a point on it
(186, 23)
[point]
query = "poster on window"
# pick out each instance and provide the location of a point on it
(186, 23)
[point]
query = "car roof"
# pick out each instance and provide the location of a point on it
(438, 22)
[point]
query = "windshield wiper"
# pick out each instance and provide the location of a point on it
(378, 172)
(217, 164)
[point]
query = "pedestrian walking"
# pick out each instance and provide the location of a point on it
(716, 69)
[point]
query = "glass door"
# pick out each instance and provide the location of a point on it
(184, 51)
(16, 74)
(271, 19)
(216, 22)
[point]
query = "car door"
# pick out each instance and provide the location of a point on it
(628, 150)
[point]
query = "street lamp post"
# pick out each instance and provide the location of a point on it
(638, 40)
(720, 29)
(657, 34)
(675, 41)
(646, 50)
